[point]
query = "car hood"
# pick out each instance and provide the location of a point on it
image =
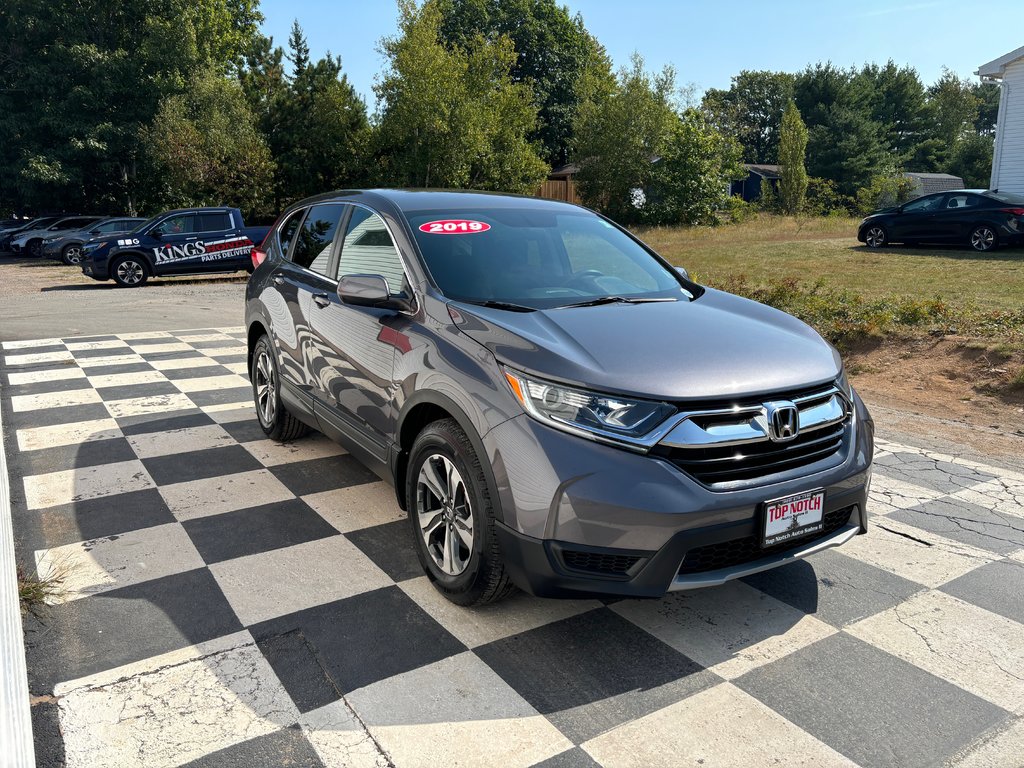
(717, 346)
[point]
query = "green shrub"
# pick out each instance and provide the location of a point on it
(885, 191)
(739, 210)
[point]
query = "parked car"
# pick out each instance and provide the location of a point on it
(30, 241)
(190, 241)
(558, 408)
(40, 222)
(982, 219)
(67, 246)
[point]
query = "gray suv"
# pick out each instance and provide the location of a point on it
(558, 408)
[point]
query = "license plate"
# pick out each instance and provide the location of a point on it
(792, 517)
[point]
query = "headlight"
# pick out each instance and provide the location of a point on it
(93, 246)
(592, 414)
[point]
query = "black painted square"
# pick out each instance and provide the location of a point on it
(391, 548)
(316, 475)
(196, 465)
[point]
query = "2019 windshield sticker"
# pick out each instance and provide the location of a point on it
(234, 247)
(454, 227)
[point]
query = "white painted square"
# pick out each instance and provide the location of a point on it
(47, 400)
(175, 713)
(190, 337)
(47, 374)
(126, 379)
(144, 335)
(81, 346)
(35, 358)
(975, 649)
(487, 623)
(242, 368)
(209, 383)
(721, 727)
(184, 440)
(179, 363)
(238, 348)
(914, 554)
(37, 438)
(359, 506)
(70, 485)
(233, 413)
(270, 584)
(888, 495)
(227, 493)
(731, 629)
(464, 706)
(96, 362)
(340, 739)
(139, 406)
(98, 565)
(271, 453)
(153, 349)
(28, 343)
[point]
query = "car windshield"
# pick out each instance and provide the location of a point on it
(537, 259)
(1007, 197)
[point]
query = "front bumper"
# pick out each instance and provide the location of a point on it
(584, 518)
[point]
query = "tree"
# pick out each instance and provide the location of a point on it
(553, 53)
(987, 95)
(952, 108)
(620, 130)
(81, 78)
(792, 152)
(971, 160)
(689, 183)
(845, 148)
(895, 97)
(204, 148)
(453, 117)
(751, 110)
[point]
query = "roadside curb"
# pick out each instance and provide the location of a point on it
(15, 716)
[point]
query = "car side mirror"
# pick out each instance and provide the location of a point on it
(683, 273)
(370, 291)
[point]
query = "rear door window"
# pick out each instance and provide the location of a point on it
(312, 246)
(214, 222)
(182, 224)
(369, 250)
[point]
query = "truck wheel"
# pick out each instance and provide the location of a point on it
(129, 271)
(275, 419)
(72, 255)
(451, 510)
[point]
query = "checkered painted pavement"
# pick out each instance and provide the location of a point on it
(230, 601)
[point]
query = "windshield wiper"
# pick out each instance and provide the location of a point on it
(502, 305)
(616, 300)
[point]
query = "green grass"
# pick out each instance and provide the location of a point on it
(770, 248)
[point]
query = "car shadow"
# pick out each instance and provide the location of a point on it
(945, 251)
(96, 285)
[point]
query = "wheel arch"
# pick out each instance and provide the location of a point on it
(146, 261)
(423, 408)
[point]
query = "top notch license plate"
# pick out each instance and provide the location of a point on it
(792, 517)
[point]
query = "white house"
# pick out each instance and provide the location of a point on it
(1008, 159)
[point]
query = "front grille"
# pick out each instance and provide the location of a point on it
(598, 562)
(713, 465)
(738, 551)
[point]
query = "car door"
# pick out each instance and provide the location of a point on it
(176, 243)
(356, 346)
(917, 219)
(955, 219)
(307, 239)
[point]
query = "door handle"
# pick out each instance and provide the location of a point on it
(322, 300)
(278, 280)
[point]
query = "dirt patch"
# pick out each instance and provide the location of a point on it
(950, 380)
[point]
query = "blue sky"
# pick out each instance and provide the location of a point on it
(708, 42)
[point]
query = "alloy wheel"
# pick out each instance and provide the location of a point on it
(266, 401)
(875, 237)
(130, 272)
(444, 514)
(983, 239)
(73, 254)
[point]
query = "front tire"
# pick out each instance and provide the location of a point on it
(72, 255)
(130, 271)
(452, 514)
(876, 236)
(984, 238)
(35, 248)
(275, 419)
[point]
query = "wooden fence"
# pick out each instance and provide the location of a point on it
(559, 189)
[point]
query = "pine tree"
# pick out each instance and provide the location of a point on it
(792, 151)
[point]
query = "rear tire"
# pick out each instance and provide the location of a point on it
(876, 236)
(452, 515)
(72, 255)
(130, 271)
(984, 238)
(275, 419)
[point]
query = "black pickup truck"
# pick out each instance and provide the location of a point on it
(189, 241)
